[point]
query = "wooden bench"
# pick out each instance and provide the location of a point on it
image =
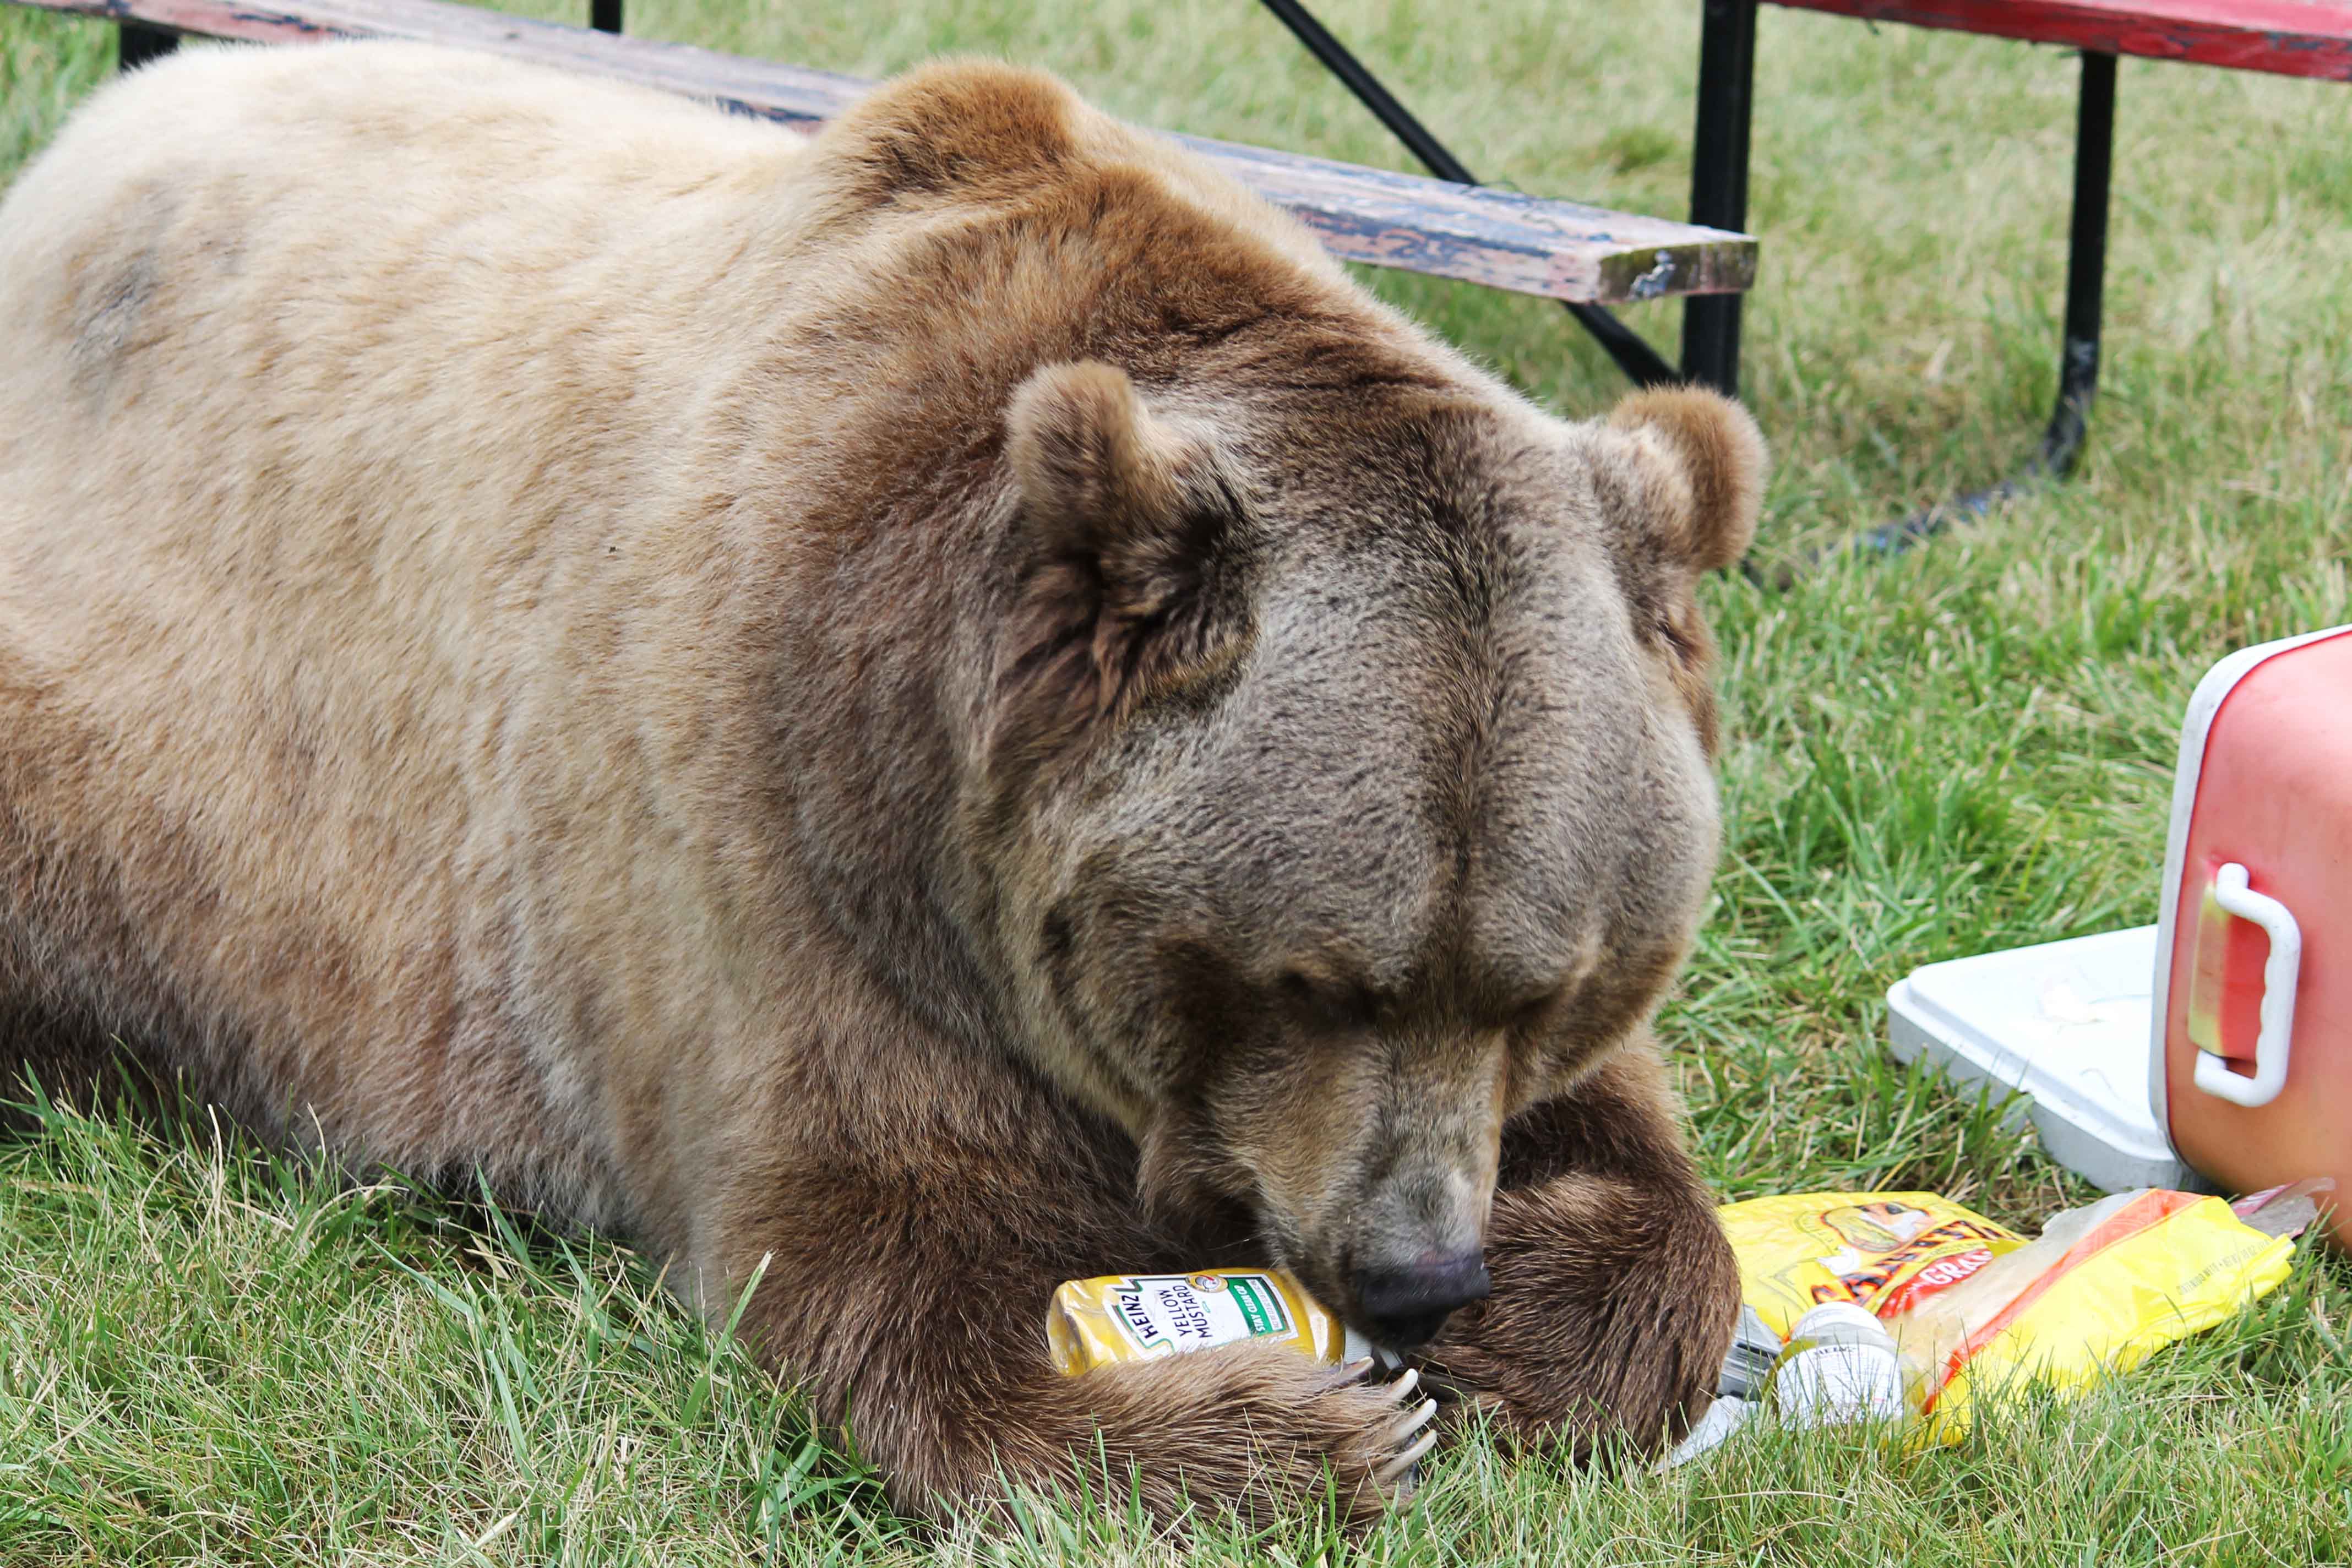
(2291, 38)
(1565, 250)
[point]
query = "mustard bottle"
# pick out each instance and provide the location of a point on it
(1127, 1317)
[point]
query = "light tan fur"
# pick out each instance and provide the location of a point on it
(951, 706)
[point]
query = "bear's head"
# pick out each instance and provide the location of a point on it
(1331, 727)
(1360, 739)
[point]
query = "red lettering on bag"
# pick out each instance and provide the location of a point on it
(1940, 1275)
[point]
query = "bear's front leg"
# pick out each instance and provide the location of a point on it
(1256, 1429)
(1615, 1293)
(914, 1317)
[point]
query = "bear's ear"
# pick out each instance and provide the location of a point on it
(1124, 526)
(1698, 475)
(1680, 474)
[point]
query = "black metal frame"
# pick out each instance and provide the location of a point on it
(1727, 76)
(1634, 356)
(136, 43)
(2078, 357)
(1726, 94)
(1719, 197)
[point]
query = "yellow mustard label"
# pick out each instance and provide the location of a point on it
(1127, 1317)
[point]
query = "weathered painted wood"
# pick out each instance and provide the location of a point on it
(2290, 37)
(1562, 249)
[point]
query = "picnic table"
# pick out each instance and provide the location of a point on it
(2293, 38)
(2289, 37)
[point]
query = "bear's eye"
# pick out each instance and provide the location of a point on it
(1540, 1016)
(1329, 1003)
(1677, 641)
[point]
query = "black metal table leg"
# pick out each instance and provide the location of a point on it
(136, 43)
(1726, 80)
(2078, 360)
(1634, 356)
(605, 15)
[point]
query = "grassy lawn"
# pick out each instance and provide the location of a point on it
(209, 1355)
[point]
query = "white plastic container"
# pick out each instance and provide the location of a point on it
(2067, 1022)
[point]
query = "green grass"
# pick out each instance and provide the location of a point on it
(207, 1356)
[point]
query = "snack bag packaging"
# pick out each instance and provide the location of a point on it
(1884, 1252)
(2105, 1288)
(1974, 1306)
(1127, 1317)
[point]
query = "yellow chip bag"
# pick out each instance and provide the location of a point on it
(1885, 1252)
(1972, 1305)
(2102, 1290)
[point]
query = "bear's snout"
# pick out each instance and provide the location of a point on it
(1405, 1307)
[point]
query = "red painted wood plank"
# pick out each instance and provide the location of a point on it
(1562, 249)
(2289, 37)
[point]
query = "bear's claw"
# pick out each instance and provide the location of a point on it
(1398, 1471)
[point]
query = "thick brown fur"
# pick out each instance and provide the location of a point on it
(947, 709)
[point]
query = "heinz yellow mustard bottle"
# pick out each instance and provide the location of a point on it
(1127, 1317)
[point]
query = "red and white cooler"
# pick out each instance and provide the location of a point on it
(2217, 1043)
(2250, 1063)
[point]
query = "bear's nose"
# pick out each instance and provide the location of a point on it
(1407, 1306)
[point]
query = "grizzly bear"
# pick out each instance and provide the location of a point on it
(911, 715)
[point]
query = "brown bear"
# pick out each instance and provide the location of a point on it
(927, 712)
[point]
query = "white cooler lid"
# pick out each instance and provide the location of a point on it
(2067, 1021)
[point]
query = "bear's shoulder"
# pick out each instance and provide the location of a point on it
(968, 130)
(983, 134)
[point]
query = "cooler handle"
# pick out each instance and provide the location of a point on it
(2279, 971)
